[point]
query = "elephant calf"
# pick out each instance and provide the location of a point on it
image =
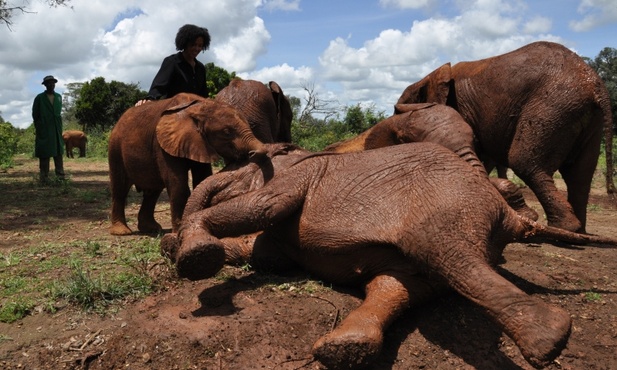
(75, 139)
(403, 221)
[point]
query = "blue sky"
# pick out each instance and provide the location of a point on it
(349, 51)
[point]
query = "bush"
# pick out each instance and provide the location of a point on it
(97, 143)
(8, 138)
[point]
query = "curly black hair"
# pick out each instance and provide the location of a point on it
(188, 33)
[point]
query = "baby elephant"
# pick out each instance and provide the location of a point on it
(404, 222)
(75, 139)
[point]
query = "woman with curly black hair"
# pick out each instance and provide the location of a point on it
(182, 72)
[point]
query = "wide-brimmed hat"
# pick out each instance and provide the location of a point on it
(49, 78)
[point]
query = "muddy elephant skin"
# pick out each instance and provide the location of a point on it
(154, 145)
(536, 110)
(404, 222)
(433, 123)
(266, 108)
(75, 139)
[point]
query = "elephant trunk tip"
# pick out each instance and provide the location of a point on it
(258, 155)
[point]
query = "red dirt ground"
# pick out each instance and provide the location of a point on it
(248, 320)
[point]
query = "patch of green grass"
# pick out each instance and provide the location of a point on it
(593, 297)
(14, 310)
(99, 275)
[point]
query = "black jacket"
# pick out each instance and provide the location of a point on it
(175, 76)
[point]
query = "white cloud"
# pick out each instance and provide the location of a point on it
(595, 13)
(537, 25)
(287, 5)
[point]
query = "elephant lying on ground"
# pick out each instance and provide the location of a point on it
(75, 139)
(154, 145)
(266, 108)
(404, 221)
(536, 110)
(434, 123)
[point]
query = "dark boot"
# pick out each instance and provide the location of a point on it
(59, 167)
(43, 170)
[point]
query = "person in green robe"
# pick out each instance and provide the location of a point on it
(48, 142)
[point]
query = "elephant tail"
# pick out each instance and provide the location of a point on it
(532, 231)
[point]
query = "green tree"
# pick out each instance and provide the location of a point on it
(217, 78)
(69, 98)
(93, 102)
(605, 64)
(100, 104)
(8, 137)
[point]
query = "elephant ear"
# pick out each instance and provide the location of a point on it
(284, 112)
(178, 135)
(433, 88)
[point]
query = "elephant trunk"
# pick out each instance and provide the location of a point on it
(256, 149)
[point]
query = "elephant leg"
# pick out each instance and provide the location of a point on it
(539, 329)
(559, 212)
(119, 192)
(145, 218)
(199, 172)
(578, 176)
(238, 251)
(200, 255)
(514, 197)
(359, 338)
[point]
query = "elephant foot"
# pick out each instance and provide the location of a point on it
(200, 258)
(149, 227)
(542, 333)
(351, 348)
(118, 228)
(169, 246)
(569, 222)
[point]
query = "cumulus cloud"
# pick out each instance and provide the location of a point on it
(126, 40)
(595, 13)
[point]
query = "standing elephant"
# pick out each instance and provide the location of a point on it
(154, 145)
(536, 110)
(435, 123)
(404, 222)
(266, 108)
(75, 139)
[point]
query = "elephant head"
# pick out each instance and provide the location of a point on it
(434, 88)
(185, 127)
(266, 108)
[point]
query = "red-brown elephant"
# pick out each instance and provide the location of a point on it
(536, 110)
(404, 222)
(434, 123)
(266, 108)
(154, 145)
(75, 139)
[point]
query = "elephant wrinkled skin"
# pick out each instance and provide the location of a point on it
(403, 221)
(434, 123)
(154, 145)
(536, 110)
(75, 139)
(266, 108)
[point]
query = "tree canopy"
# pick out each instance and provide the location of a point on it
(100, 104)
(605, 64)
